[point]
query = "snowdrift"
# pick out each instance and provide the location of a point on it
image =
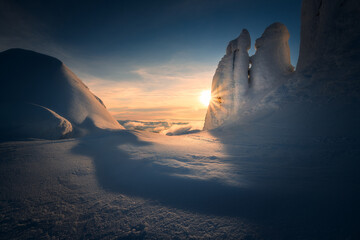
(24, 120)
(33, 83)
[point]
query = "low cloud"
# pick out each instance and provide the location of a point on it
(169, 128)
(182, 129)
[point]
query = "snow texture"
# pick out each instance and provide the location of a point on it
(236, 87)
(328, 67)
(286, 167)
(271, 63)
(30, 77)
(230, 82)
(24, 120)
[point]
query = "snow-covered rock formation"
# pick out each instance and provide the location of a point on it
(322, 96)
(236, 87)
(230, 82)
(271, 64)
(61, 97)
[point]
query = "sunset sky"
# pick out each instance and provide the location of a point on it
(147, 60)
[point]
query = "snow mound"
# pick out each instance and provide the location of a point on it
(30, 77)
(25, 120)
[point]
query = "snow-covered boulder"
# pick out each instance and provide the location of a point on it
(230, 82)
(271, 64)
(30, 77)
(25, 120)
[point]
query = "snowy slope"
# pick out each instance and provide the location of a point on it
(25, 120)
(30, 77)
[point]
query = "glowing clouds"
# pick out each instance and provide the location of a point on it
(163, 92)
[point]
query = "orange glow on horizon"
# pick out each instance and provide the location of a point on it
(162, 92)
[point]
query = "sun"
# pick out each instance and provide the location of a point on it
(205, 97)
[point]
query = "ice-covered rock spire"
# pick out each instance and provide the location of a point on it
(240, 81)
(271, 63)
(230, 82)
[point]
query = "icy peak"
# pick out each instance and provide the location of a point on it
(242, 43)
(275, 32)
(271, 62)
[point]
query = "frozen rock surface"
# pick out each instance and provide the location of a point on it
(30, 77)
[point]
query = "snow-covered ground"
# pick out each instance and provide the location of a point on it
(118, 184)
(140, 185)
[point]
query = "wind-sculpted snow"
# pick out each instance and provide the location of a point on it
(286, 166)
(230, 82)
(241, 82)
(231, 184)
(326, 76)
(23, 120)
(30, 77)
(271, 63)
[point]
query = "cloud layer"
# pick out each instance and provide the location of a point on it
(169, 128)
(156, 93)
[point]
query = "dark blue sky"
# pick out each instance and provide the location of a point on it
(147, 32)
(123, 41)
